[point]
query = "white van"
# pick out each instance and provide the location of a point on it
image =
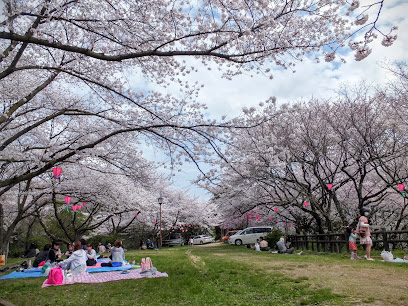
(249, 235)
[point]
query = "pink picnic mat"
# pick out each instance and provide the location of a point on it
(96, 278)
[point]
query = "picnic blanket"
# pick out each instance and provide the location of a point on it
(398, 260)
(37, 272)
(88, 278)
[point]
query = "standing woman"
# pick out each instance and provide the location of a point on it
(363, 230)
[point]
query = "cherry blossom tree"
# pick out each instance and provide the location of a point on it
(67, 68)
(319, 162)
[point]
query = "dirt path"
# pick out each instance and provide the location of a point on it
(361, 283)
(197, 262)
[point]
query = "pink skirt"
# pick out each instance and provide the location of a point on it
(366, 240)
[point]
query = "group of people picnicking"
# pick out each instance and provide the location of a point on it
(80, 255)
(362, 232)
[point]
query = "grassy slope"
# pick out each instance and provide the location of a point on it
(222, 275)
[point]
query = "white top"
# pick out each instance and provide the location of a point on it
(77, 260)
(91, 255)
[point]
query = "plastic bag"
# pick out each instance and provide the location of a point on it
(45, 270)
(387, 256)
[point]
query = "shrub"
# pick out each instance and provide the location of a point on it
(273, 237)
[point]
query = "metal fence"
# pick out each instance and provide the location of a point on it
(338, 242)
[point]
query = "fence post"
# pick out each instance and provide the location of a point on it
(306, 241)
(346, 237)
(331, 242)
(385, 240)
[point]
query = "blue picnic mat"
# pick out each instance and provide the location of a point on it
(37, 272)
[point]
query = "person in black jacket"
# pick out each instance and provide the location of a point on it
(31, 252)
(54, 254)
(42, 256)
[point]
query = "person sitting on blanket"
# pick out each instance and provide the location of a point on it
(101, 248)
(70, 250)
(54, 254)
(77, 260)
(42, 256)
(91, 255)
(117, 255)
(283, 248)
(263, 244)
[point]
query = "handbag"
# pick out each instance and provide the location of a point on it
(362, 233)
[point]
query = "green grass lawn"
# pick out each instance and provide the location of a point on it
(213, 275)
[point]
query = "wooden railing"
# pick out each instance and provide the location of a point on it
(338, 242)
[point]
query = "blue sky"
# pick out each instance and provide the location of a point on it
(226, 97)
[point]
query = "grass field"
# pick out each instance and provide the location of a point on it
(219, 274)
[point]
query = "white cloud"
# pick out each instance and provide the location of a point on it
(225, 97)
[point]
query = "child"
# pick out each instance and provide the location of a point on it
(70, 250)
(257, 247)
(352, 243)
(91, 255)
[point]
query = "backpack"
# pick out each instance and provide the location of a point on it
(55, 277)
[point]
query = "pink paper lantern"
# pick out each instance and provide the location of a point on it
(401, 187)
(276, 209)
(155, 222)
(83, 203)
(79, 207)
(250, 216)
(74, 208)
(329, 186)
(270, 219)
(284, 223)
(277, 221)
(306, 204)
(67, 200)
(57, 172)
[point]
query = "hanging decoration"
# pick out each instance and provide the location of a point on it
(79, 207)
(74, 207)
(270, 219)
(306, 204)
(83, 203)
(276, 209)
(401, 189)
(68, 202)
(329, 186)
(57, 173)
(250, 216)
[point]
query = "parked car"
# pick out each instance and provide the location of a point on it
(201, 239)
(175, 239)
(249, 235)
(228, 235)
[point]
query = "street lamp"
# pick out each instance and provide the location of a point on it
(160, 200)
